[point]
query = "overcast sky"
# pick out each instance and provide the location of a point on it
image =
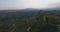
(19, 4)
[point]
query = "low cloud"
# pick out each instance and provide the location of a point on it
(54, 5)
(18, 4)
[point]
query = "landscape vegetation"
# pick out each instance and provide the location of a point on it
(29, 20)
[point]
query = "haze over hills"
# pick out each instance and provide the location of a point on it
(53, 6)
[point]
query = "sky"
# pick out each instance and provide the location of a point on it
(22, 4)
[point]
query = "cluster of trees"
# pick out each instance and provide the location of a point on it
(47, 21)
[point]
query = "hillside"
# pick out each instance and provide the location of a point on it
(36, 21)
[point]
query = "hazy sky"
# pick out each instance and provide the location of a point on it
(19, 4)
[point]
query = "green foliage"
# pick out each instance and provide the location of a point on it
(46, 22)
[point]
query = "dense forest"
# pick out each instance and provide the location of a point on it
(30, 21)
